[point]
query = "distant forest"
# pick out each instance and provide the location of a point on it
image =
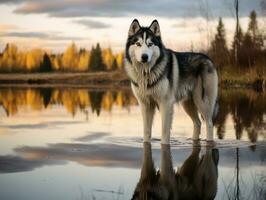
(72, 60)
(247, 52)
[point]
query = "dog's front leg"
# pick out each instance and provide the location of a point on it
(166, 109)
(147, 110)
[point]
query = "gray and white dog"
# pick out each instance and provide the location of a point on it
(161, 77)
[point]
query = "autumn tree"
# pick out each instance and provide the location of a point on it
(84, 58)
(56, 62)
(120, 60)
(70, 58)
(9, 58)
(108, 58)
(34, 58)
(219, 51)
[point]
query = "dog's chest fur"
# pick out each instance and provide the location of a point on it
(153, 84)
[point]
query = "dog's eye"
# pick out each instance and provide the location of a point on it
(149, 44)
(138, 44)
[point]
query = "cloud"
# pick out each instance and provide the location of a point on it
(7, 27)
(118, 8)
(108, 155)
(11, 164)
(26, 35)
(92, 136)
(92, 24)
(111, 155)
(11, 1)
(41, 125)
(40, 35)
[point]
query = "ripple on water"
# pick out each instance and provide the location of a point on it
(177, 142)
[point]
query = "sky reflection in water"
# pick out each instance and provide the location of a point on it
(81, 144)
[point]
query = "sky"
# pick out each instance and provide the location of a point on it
(54, 24)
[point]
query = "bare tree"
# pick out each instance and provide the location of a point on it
(237, 32)
(206, 13)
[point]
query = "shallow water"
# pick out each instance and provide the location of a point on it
(60, 143)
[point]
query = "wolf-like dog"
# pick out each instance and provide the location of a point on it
(161, 77)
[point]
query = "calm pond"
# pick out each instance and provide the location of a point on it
(79, 144)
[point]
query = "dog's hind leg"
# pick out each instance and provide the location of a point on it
(191, 110)
(147, 110)
(206, 103)
(205, 108)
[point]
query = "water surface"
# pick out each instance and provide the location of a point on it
(58, 143)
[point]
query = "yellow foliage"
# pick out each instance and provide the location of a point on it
(9, 57)
(107, 101)
(34, 99)
(33, 59)
(70, 58)
(84, 98)
(72, 99)
(55, 62)
(108, 58)
(120, 99)
(120, 60)
(83, 62)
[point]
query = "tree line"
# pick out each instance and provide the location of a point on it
(71, 60)
(247, 49)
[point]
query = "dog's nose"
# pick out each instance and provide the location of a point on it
(144, 58)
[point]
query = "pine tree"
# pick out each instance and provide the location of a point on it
(254, 32)
(96, 60)
(219, 50)
(46, 93)
(114, 65)
(251, 49)
(46, 65)
(96, 101)
(236, 45)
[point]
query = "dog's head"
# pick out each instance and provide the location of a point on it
(144, 45)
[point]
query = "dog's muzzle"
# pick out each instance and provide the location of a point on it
(144, 58)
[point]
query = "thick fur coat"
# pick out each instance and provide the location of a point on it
(161, 77)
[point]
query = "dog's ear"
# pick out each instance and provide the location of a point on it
(134, 27)
(155, 28)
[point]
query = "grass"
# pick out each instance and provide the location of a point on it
(238, 77)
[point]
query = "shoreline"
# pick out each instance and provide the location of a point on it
(62, 77)
(111, 79)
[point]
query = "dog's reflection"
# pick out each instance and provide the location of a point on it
(196, 179)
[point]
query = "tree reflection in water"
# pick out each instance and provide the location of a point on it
(246, 107)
